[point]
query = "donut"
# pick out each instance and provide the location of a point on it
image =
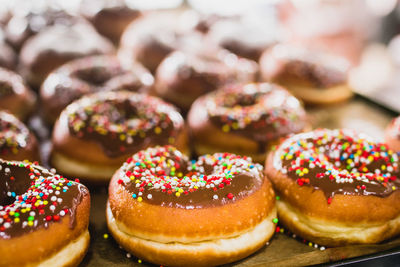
(96, 133)
(16, 141)
(15, 96)
(149, 39)
(170, 211)
(253, 117)
(314, 76)
(8, 58)
(243, 37)
(110, 18)
(34, 19)
(392, 134)
(184, 76)
(336, 187)
(88, 75)
(43, 217)
(56, 45)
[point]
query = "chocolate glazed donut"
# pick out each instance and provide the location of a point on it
(170, 211)
(95, 134)
(184, 76)
(15, 96)
(311, 75)
(336, 187)
(89, 75)
(43, 217)
(57, 45)
(251, 116)
(110, 18)
(16, 141)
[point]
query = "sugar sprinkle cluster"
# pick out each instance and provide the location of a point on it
(258, 105)
(123, 116)
(166, 169)
(40, 204)
(339, 156)
(13, 134)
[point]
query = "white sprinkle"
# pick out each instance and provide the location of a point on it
(149, 196)
(215, 197)
(52, 207)
(322, 248)
(128, 255)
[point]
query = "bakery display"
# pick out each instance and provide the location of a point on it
(96, 133)
(183, 76)
(173, 110)
(55, 46)
(253, 117)
(311, 75)
(15, 96)
(43, 217)
(170, 211)
(392, 134)
(17, 142)
(89, 75)
(336, 187)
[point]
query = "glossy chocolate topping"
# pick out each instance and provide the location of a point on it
(163, 176)
(124, 122)
(89, 75)
(14, 135)
(339, 162)
(31, 197)
(22, 26)
(259, 111)
(319, 69)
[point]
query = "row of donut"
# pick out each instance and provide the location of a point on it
(332, 187)
(204, 40)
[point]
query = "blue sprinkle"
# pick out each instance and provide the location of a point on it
(13, 194)
(134, 195)
(137, 163)
(251, 166)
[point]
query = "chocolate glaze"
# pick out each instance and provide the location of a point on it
(321, 70)
(261, 112)
(242, 184)
(320, 180)
(17, 190)
(34, 22)
(124, 122)
(89, 75)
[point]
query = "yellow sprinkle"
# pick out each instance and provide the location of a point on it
(139, 199)
(16, 220)
(383, 167)
(45, 202)
(180, 190)
(305, 170)
(12, 213)
(393, 188)
(289, 157)
(30, 223)
(226, 128)
(23, 210)
(105, 236)
(177, 194)
(122, 137)
(309, 244)
(195, 187)
(235, 125)
(132, 177)
(58, 188)
(14, 150)
(157, 130)
(137, 181)
(171, 140)
(180, 174)
(139, 261)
